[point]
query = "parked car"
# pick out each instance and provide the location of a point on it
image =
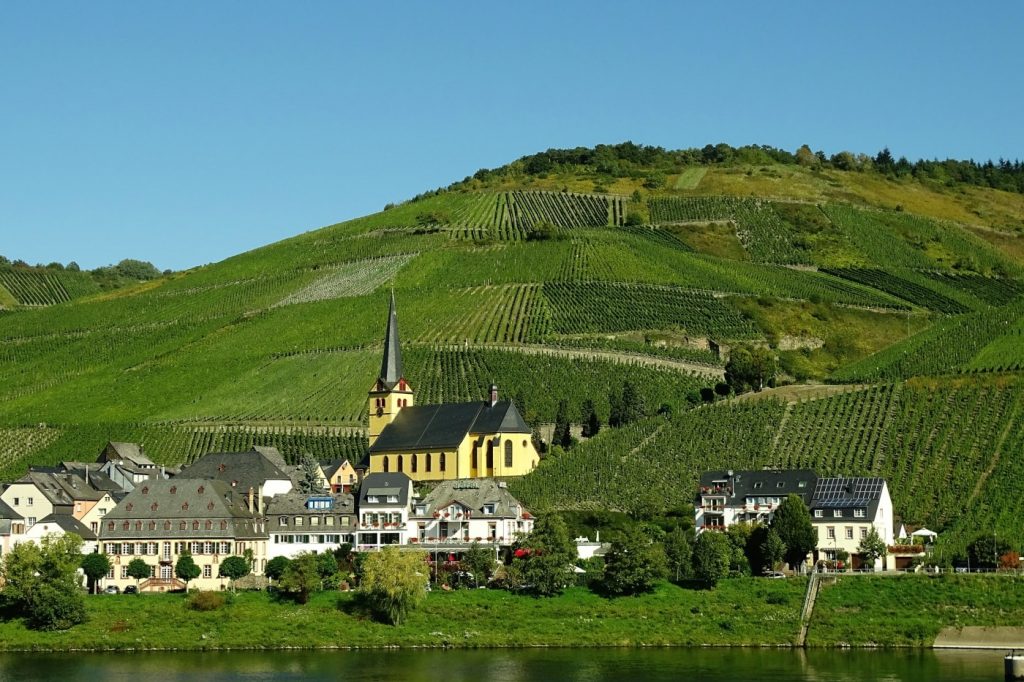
(111, 589)
(131, 589)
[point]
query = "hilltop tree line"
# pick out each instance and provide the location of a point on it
(653, 164)
(107, 277)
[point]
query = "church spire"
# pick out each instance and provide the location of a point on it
(391, 367)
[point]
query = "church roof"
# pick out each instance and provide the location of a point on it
(424, 427)
(391, 366)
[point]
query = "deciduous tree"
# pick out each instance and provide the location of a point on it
(394, 582)
(711, 555)
(633, 565)
(545, 557)
(95, 566)
(792, 523)
(185, 569)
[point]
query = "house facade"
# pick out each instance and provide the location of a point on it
(384, 500)
(314, 522)
(161, 520)
(843, 509)
(468, 511)
(441, 442)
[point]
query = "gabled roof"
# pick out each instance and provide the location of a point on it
(241, 470)
(855, 492)
(130, 452)
(738, 485)
(473, 494)
(60, 488)
(8, 513)
(68, 524)
(381, 485)
(294, 504)
(331, 468)
(426, 427)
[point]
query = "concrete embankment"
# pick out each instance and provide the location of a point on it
(979, 637)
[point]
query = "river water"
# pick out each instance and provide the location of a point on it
(504, 665)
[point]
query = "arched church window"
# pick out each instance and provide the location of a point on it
(442, 461)
(415, 461)
(428, 461)
(508, 452)
(387, 464)
(400, 467)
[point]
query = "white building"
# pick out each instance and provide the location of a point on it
(315, 522)
(469, 510)
(384, 510)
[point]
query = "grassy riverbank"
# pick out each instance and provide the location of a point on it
(911, 610)
(738, 612)
(856, 611)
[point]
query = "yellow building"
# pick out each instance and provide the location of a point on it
(439, 442)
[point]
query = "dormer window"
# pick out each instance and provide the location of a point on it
(372, 499)
(489, 508)
(837, 513)
(758, 485)
(421, 510)
(780, 484)
(392, 499)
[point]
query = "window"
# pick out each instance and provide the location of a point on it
(508, 453)
(283, 521)
(415, 461)
(329, 521)
(837, 513)
(858, 513)
(428, 461)
(209, 525)
(124, 571)
(225, 548)
(17, 501)
(28, 502)
(801, 484)
(392, 499)
(207, 548)
(849, 532)
(780, 484)
(314, 521)
(386, 465)
(830, 533)
(488, 509)
(195, 525)
(863, 533)
(758, 484)
(182, 526)
(207, 571)
(298, 520)
(128, 548)
(818, 513)
(442, 462)
(401, 464)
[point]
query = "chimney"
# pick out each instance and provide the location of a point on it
(494, 394)
(252, 505)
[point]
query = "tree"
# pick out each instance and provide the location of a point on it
(42, 581)
(984, 551)
(73, 267)
(233, 568)
(327, 567)
(562, 435)
(773, 550)
(872, 547)
(805, 157)
(739, 535)
(545, 557)
(185, 569)
(750, 368)
(711, 555)
(311, 482)
(591, 422)
(139, 570)
(679, 553)
(633, 565)
(633, 405)
(95, 566)
(394, 582)
(615, 409)
(479, 561)
(792, 523)
(137, 269)
(301, 577)
(276, 567)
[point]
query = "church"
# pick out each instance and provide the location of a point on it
(442, 442)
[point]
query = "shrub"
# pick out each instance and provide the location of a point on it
(205, 601)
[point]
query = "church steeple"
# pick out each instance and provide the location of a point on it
(391, 392)
(391, 366)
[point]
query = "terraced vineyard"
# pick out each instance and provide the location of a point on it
(991, 290)
(902, 286)
(357, 278)
(45, 287)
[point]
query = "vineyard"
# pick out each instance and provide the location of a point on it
(511, 313)
(991, 290)
(600, 306)
(177, 444)
(950, 345)
(357, 278)
(765, 236)
(45, 287)
(902, 286)
(930, 442)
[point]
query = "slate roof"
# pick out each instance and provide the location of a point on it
(761, 483)
(241, 470)
(472, 494)
(847, 494)
(391, 365)
(69, 524)
(294, 504)
(8, 513)
(177, 500)
(130, 452)
(60, 488)
(331, 468)
(431, 427)
(385, 484)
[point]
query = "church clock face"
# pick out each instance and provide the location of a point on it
(380, 411)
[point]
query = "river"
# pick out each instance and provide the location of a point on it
(505, 665)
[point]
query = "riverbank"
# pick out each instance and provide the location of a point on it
(888, 611)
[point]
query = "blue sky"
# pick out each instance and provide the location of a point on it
(183, 133)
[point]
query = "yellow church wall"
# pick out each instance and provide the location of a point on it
(387, 403)
(459, 462)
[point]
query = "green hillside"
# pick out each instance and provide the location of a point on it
(560, 280)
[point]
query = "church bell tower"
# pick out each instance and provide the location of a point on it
(391, 392)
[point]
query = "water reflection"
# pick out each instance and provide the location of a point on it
(502, 665)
